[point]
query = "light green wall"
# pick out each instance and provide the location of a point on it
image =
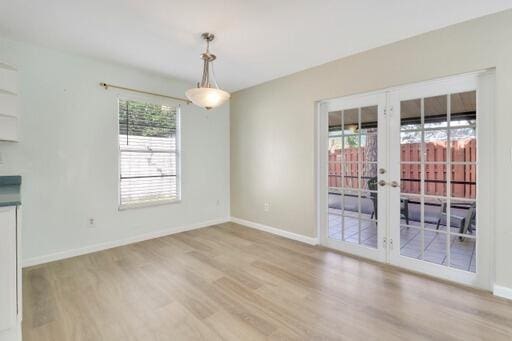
(273, 134)
(68, 155)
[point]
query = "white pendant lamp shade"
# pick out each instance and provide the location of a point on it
(207, 98)
(207, 95)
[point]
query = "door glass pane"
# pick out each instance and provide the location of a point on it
(369, 233)
(411, 241)
(334, 121)
(334, 176)
(463, 253)
(435, 179)
(438, 180)
(463, 215)
(335, 225)
(410, 178)
(369, 176)
(350, 175)
(353, 149)
(351, 204)
(410, 210)
(369, 146)
(463, 109)
(434, 213)
(351, 145)
(410, 146)
(461, 138)
(410, 143)
(351, 121)
(351, 225)
(434, 147)
(463, 181)
(369, 120)
(436, 112)
(410, 114)
(368, 206)
(435, 247)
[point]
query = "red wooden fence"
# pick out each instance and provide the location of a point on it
(463, 175)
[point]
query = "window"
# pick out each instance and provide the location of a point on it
(148, 153)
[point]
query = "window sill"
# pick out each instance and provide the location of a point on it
(148, 204)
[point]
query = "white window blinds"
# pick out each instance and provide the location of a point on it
(148, 153)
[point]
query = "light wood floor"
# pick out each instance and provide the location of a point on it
(229, 282)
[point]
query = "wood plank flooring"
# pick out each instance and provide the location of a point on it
(229, 282)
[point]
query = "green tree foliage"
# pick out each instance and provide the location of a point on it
(146, 119)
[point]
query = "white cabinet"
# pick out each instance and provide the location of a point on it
(9, 116)
(10, 274)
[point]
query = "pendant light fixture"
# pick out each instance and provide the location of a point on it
(207, 94)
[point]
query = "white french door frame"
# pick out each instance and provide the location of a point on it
(356, 101)
(482, 82)
(388, 101)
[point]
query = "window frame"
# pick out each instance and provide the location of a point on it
(177, 152)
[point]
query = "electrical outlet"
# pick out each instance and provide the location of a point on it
(91, 223)
(266, 206)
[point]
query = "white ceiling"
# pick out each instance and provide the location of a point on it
(257, 40)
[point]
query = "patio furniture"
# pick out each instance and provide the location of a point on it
(404, 202)
(373, 186)
(465, 223)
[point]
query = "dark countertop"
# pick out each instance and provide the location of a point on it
(10, 190)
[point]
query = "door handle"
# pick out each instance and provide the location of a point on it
(392, 183)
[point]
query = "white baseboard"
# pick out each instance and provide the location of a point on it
(111, 244)
(504, 292)
(276, 231)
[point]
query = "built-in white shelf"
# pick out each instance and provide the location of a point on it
(9, 114)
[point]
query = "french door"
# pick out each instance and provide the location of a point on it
(401, 177)
(356, 157)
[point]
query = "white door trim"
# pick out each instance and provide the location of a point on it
(324, 107)
(484, 81)
(458, 84)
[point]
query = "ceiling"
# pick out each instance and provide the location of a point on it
(257, 40)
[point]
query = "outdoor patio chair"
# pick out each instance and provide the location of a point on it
(404, 202)
(465, 223)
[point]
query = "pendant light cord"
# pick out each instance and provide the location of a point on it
(207, 66)
(213, 76)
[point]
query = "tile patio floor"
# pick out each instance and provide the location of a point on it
(462, 253)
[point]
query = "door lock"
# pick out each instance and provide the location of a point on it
(382, 183)
(382, 171)
(394, 184)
